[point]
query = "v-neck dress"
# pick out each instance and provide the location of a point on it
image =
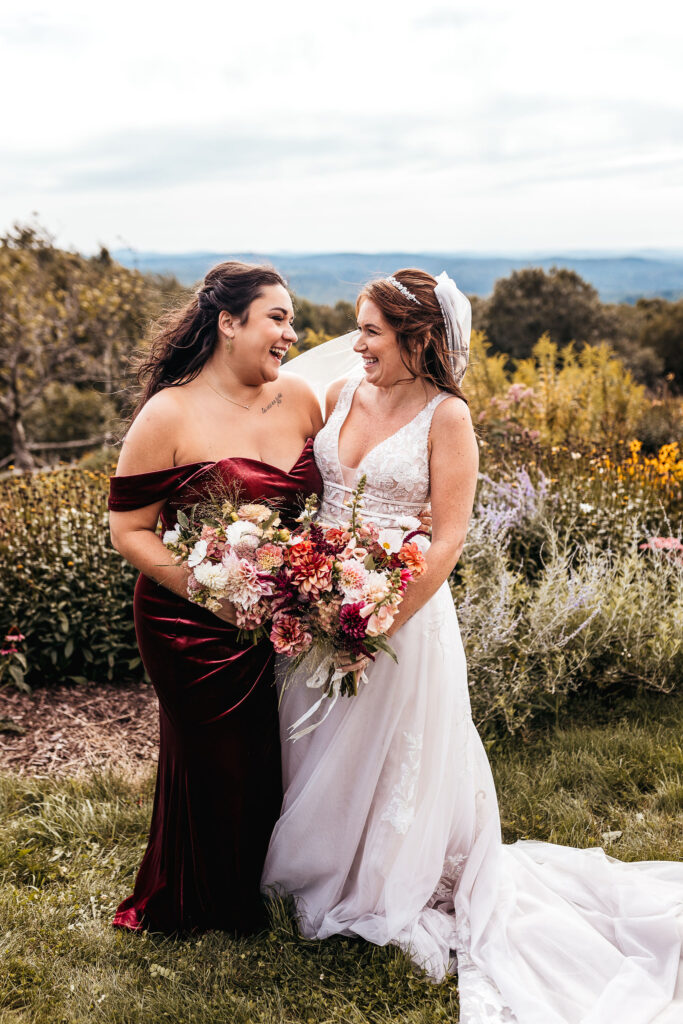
(218, 787)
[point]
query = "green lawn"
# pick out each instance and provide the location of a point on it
(69, 849)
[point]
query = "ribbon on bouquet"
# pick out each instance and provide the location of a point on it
(326, 676)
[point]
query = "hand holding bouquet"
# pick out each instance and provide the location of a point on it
(235, 552)
(346, 584)
(325, 593)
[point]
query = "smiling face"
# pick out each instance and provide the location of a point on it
(258, 346)
(378, 345)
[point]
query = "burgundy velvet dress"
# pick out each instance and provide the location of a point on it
(218, 788)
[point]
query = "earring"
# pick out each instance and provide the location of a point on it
(228, 343)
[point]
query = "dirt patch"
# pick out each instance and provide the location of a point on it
(67, 730)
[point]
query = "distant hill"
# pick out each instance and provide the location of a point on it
(327, 277)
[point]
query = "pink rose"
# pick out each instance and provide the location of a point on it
(379, 621)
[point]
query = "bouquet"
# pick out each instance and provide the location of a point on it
(343, 588)
(320, 593)
(236, 551)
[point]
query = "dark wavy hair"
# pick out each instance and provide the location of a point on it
(420, 330)
(183, 339)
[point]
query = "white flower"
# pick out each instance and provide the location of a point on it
(376, 587)
(254, 513)
(585, 507)
(408, 523)
(172, 536)
(390, 540)
(236, 532)
(198, 553)
(352, 577)
(213, 577)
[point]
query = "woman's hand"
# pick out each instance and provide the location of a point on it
(425, 518)
(227, 613)
(348, 663)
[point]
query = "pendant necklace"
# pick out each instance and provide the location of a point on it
(232, 400)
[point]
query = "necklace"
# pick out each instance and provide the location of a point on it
(226, 399)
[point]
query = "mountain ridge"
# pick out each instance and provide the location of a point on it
(331, 276)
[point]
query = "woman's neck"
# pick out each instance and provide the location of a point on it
(401, 393)
(220, 374)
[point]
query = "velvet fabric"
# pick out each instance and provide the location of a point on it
(218, 789)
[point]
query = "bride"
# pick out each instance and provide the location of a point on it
(389, 828)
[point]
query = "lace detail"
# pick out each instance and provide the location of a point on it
(448, 883)
(480, 998)
(397, 469)
(400, 810)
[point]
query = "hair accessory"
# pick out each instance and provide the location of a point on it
(457, 316)
(403, 290)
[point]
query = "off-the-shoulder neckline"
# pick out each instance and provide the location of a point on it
(219, 462)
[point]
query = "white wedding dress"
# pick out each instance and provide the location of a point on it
(390, 830)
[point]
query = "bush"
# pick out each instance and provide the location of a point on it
(554, 599)
(554, 591)
(63, 585)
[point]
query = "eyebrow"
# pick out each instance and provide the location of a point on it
(281, 309)
(375, 326)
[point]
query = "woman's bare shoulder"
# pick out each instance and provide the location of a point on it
(332, 395)
(151, 440)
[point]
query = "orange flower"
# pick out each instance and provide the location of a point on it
(311, 572)
(413, 559)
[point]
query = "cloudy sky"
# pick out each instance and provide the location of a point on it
(361, 125)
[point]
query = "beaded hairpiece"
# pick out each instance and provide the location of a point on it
(404, 291)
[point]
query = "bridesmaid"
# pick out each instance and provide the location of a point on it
(213, 406)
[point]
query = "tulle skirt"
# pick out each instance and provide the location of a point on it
(390, 831)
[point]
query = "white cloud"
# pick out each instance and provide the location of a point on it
(309, 126)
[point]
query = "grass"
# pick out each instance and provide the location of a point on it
(69, 850)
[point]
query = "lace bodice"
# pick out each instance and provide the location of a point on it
(397, 468)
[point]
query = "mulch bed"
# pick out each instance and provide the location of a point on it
(67, 730)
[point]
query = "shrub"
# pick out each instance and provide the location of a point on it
(63, 585)
(546, 610)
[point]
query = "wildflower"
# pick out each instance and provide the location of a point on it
(585, 508)
(390, 540)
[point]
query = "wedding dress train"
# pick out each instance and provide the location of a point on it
(390, 829)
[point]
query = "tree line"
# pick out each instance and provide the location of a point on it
(69, 325)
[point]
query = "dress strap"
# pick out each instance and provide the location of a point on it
(129, 492)
(346, 395)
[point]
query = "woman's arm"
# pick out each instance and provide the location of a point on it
(453, 465)
(149, 446)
